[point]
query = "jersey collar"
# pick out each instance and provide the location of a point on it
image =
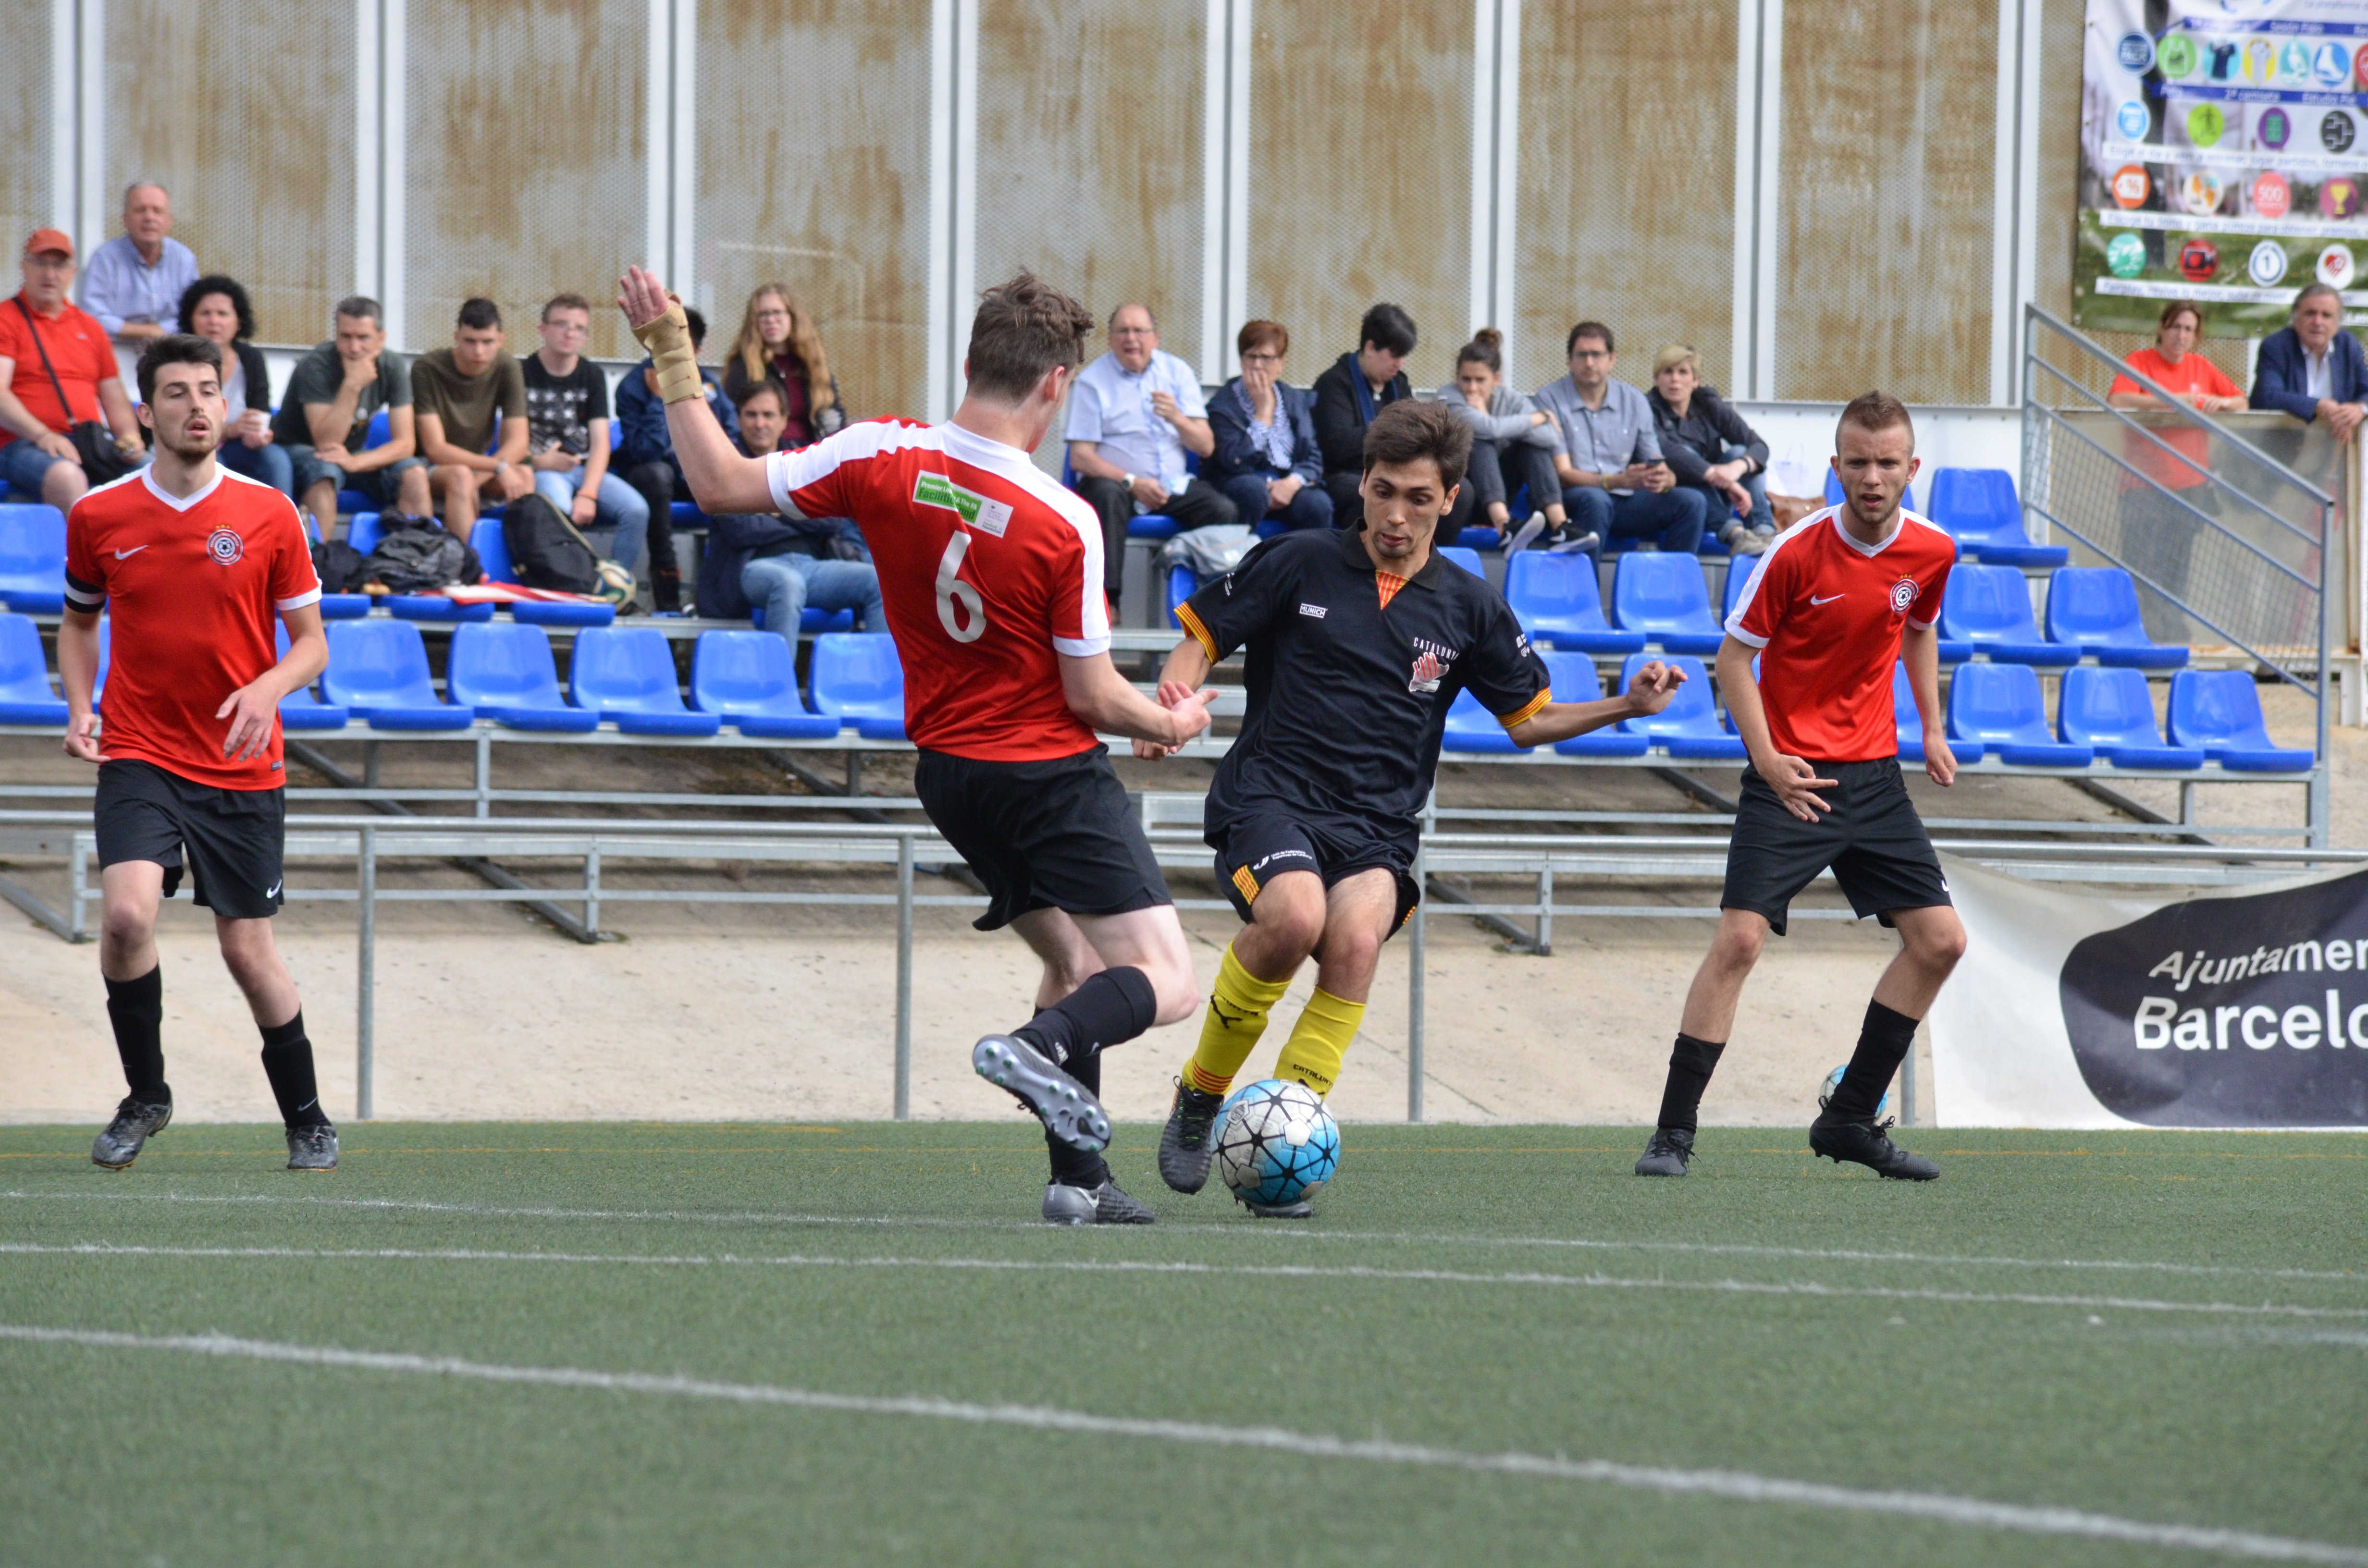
(1899, 527)
(1352, 550)
(177, 503)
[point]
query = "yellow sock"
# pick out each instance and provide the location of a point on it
(1239, 1003)
(1319, 1040)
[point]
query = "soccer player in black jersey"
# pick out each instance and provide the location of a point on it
(1358, 640)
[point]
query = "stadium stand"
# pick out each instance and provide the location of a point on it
(1559, 602)
(2220, 712)
(378, 670)
(26, 697)
(33, 558)
(1986, 610)
(302, 708)
(1979, 509)
(858, 680)
(2112, 710)
(749, 679)
(507, 672)
(2002, 707)
(1667, 598)
(1690, 726)
(1574, 680)
(2096, 610)
(626, 675)
(1908, 725)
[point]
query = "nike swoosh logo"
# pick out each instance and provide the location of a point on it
(1827, 600)
(133, 551)
(273, 891)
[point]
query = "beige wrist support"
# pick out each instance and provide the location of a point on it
(669, 340)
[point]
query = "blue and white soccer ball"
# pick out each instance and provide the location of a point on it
(1834, 1080)
(1276, 1144)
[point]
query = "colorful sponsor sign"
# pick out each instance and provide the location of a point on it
(2272, 195)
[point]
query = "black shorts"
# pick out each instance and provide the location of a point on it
(1057, 834)
(231, 840)
(1872, 839)
(1257, 845)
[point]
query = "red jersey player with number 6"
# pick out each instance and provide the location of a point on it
(1837, 599)
(992, 577)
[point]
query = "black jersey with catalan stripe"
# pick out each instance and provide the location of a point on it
(1347, 695)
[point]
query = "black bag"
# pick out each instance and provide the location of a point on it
(94, 443)
(341, 567)
(546, 550)
(419, 555)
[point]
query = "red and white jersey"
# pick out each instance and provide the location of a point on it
(1827, 613)
(988, 568)
(194, 590)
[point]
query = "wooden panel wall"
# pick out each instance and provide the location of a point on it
(813, 171)
(1625, 206)
(24, 203)
(1361, 174)
(258, 152)
(525, 160)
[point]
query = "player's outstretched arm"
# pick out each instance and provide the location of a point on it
(1655, 685)
(1180, 681)
(1106, 699)
(1794, 781)
(722, 480)
(78, 672)
(1921, 652)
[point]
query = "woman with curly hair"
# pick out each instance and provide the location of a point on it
(777, 343)
(216, 308)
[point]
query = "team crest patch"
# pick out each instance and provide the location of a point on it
(1425, 677)
(225, 546)
(1903, 593)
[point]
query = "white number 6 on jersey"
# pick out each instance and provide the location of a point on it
(953, 592)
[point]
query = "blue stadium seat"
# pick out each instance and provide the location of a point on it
(26, 697)
(1689, 725)
(362, 533)
(1978, 508)
(2001, 706)
(2096, 610)
(33, 559)
(561, 612)
(1834, 496)
(687, 515)
(1908, 725)
(1559, 602)
(859, 679)
(625, 673)
(345, 607)
(1473, 729)
(2221, 711)
(1739, 572)
(504, 672)
(300, 709)
(1479, 537)
(1181, 585)
(492, 550)
(378, 669)
(1989, 607)
(1667, 598)
(1152, 526)
(437, 607)
(749, 678)
(812, 622)
(2113, 712)
(1574, 680)
(1466, 558)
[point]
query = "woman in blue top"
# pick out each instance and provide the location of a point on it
(1266, 461)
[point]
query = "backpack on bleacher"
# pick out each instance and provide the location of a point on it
(546, 550)
(419, 555)
(341, 568)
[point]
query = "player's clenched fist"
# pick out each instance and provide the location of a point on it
(1652, 687)
(1189, 709)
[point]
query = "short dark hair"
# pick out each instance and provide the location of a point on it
(480, 315)
(1486, 347)
(565, 302)
(1023, 329)
(698, 324)
(769, 387)
(360, 307)
(1409, 430)
(229, 289)
(1388, 328)
(2314, 290)
(1263, 335)
(2178, 308)
(1594, 329)
(1876, 411)
(177, 348)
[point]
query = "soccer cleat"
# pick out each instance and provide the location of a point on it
(135, 1122)
(1863, 1143)
(1520, 539)
(312, 1148)
(1059, 1101)
(1667, 1152)
(1185, 1146)
(1573, 537)
(1297, 1209)
(1103, 1205)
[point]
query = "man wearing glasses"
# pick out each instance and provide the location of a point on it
(1133, 414)
(1613, 480)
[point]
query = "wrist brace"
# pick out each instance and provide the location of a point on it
(669, 340)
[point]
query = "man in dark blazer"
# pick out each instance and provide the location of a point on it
(2314, 369)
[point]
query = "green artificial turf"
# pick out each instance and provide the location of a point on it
(2002, 1372)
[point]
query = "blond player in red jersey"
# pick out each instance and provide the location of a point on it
(1837, 599)
(992, 577)
(195, 564)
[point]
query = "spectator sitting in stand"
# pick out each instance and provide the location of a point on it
(1266, 461)
(647, 457)
(40, 404)
(568, 433)
(1357, 387)
(324, 418)
(462, 395)
(217, 309)
(135, 282)
(1614, 481)
(1133, 413)
(1710, 448)
(2313, 368)
(777, 343)
(1513, 444)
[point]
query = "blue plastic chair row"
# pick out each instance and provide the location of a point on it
(1979, 509)
(2108, 714)
(33, 559)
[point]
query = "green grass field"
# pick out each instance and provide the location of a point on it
(617, 1344)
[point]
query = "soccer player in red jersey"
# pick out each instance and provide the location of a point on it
(196, 563)
(1837, 599)
(992, 577)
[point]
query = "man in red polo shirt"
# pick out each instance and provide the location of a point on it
(57, 370)
(1838, 598)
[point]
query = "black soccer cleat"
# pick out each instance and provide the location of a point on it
(312, 1148)
(1667, 1154)
(1103, 1205)
(1863, 1143)
(1067, 1109)
(136, 1121)
(1185, 1145)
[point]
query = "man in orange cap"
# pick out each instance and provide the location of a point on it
(57, 370)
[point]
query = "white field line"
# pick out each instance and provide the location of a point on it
(1264, 1271)
(1738, 1486)
(1285, 1233)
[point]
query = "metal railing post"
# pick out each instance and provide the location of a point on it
(80, 889)
(592, 890)
(1542, 945)
(2320, 773)
(485, 774)
(1907, 1086)
(366, 975)
(904, 977)
(1413, 965)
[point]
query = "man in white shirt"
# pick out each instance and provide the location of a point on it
(1133, 414)
(135, 281)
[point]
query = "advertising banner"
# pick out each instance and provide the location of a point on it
(2223, 158)
(2213, 1009)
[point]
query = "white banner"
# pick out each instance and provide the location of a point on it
(2220, 1008)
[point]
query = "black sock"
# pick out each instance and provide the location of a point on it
(1884, 1041)
(1110, 1008)
(1075, 1167)
(288, 1062)
(1691, 1062)
(136, 1008)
